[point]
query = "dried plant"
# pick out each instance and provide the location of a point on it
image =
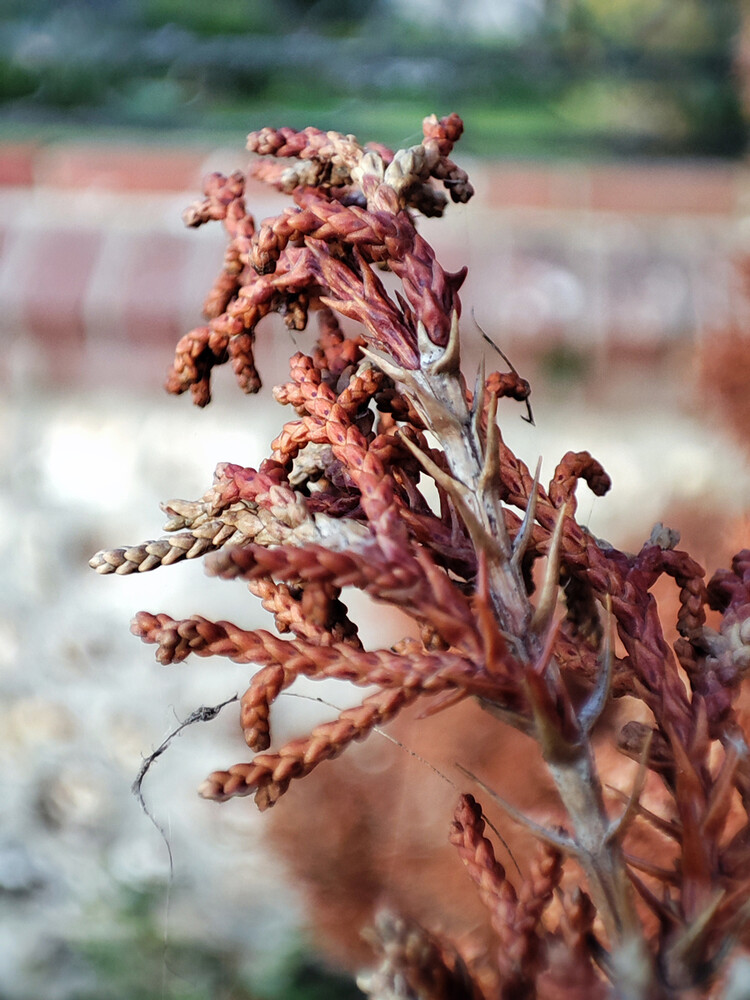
(341, 502)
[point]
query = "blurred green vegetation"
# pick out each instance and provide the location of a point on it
(581, 78)
(127, 956)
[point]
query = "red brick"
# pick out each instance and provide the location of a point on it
(664, 190)
(533, 185)
(17, 164)
(120, 169)
(152, 289)
(516, 185)
(55, 287)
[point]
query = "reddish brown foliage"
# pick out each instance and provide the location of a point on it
(341, 503)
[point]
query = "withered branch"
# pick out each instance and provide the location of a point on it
(382, 421)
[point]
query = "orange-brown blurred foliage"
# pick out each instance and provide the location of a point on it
(371, 829)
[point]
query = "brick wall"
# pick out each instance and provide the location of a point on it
(96, 270)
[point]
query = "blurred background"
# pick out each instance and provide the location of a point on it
(607, 142)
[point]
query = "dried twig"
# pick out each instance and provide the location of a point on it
(340, 502)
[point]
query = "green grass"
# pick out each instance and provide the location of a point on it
(176, 68)
(592, 121)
